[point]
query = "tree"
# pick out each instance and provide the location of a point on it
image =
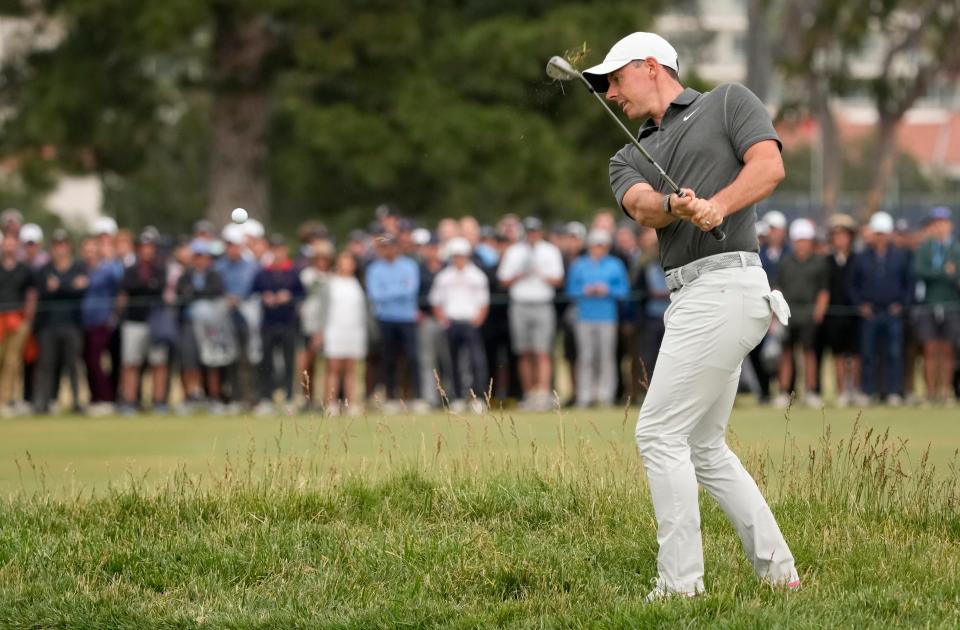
(821, 41)
(320, 108)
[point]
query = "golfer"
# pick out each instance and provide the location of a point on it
(721, 148)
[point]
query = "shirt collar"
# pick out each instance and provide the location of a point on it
(684, 99)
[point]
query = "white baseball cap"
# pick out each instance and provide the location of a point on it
(776, 220)
(881, 223)
(234, 234)
(763, 228)
(31, 233)
(632, 47)
(803, 230)
(104, 225)
(458, 246)
(253, 228)
(598, 237)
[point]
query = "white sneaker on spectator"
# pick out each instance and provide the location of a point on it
(217, 409)
(458, 406)
(264, 408)
(477, 406)
(353, 409)
(843, 400)
(813, 400)
(420, 406)
(861, 400)
(392, 407)
(332, 410)
(782, 401)
(894, 400)
(7, 411)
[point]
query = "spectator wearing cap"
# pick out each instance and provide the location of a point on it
(99, 326)
(776, 242)
(196, 287)
(598, 282)
(434, 353)
(802, 277)
(279, 287)
(840, 332)
(880, 286)
(393, 288)
(61, 284)
(460, 297)
(238, 269)
(315, 278)
(532, 269)
(139, 302)
(33, 254)
(18, 302)
(937, 314)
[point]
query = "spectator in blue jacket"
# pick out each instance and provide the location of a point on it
(880, 288)
(393, 288)
(597, 282)
(278, 285)
(99, 323)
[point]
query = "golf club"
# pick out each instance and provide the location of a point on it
(560, 69)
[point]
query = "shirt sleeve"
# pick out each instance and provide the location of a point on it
(437, 290)
(623, 174)
(747, 120)
(483, 285)
(555, 263)
(506, 270)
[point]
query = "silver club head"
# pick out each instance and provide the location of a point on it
(560, 69)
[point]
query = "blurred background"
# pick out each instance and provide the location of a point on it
(165, 112)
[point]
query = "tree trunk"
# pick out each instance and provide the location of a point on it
(241, 116)
(759, 55)
(885, 156)
(831, 148)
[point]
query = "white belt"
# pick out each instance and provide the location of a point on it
(682, 276)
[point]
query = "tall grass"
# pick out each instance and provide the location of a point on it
(478, 536)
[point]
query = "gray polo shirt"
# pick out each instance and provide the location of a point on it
(700, 143)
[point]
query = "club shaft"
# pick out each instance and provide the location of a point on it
(716, 231)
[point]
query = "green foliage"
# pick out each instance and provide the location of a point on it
(438, 106)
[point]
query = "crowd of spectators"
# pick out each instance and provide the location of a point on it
(404, 317)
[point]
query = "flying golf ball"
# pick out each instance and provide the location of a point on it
(239, 215)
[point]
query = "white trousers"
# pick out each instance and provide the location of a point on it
(596, 362)
(711, 325)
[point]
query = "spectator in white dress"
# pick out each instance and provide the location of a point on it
(345, 335)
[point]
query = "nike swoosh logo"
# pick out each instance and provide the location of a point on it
(690, 115)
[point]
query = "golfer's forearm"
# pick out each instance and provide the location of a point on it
(756, 181)
(645, 206)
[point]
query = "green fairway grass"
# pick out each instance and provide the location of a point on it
(64, 455)
(523, 520)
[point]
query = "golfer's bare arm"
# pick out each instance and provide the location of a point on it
(762, 172)
(645, 206)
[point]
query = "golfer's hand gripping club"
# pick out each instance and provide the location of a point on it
(560, 69)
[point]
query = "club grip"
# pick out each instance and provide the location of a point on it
(717, 233)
